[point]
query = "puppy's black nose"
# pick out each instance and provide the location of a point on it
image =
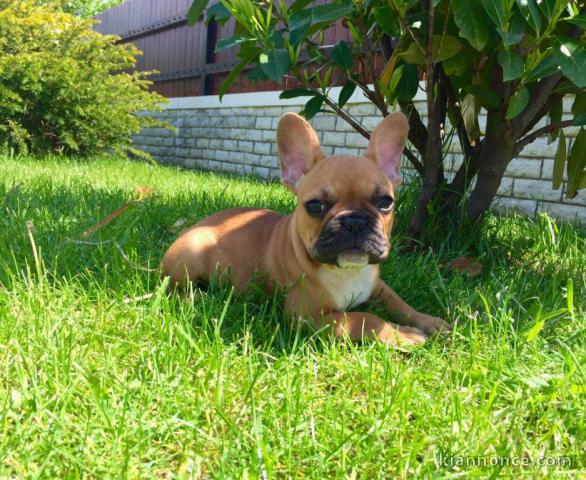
(354, 223)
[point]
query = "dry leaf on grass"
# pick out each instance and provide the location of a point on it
(106, 220)
(465, 265)
(141, 191)
(144, 191)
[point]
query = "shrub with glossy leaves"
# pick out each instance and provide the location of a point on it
(64, 87)
(515, 60)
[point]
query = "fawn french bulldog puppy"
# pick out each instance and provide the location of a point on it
(324, 255)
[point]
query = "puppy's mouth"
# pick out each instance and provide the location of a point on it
(353, 258)
(350, 258)
(351, 241)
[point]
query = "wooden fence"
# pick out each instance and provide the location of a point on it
(184, 55)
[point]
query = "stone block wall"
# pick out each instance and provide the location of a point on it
(238, 136)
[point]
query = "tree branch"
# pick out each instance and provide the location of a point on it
(334, 106)
(417, 129)
(379, 99)
(406, 25)
(465, 174)
(417, 165)
(539, 132)
(455, 109)
(429, 74)
(542, 113)
(367, 91)
(433, 152)
(539, 96)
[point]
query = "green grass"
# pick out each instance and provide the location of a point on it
(217, 385)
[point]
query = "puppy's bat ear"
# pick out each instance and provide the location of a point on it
(298, 148)
(387, 143)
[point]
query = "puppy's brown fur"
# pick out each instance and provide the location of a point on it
(328, 261)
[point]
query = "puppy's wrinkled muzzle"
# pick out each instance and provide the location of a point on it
(351, 239)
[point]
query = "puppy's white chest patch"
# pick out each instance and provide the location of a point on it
(348, 286)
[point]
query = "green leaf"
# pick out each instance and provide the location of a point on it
(219, 13)
(531, 13)
(559, 162)
(342, 55)
(549, 8)
(231, 41)
(518, 103)
(302, 20)
(512, 64)
(277, 38)
(229, 80)
(510, 38)
(494, 9)
(296, 92)
(571, 57)
(247, 49)
(458, 64)
(444, 47)
(299, 4)
(578, 20)
(346, 92)
(312, 107)
(408, 84)
(548, 66)
(195, 11)
(488, 98)
(576, 164)
(387, 20)
(515, 32)
(275, 63)
(565, 87)
(555, 116)
(240, 29)
(256, 74)
(580, 119)
(579, 109)
(579, 105)
(472, 22)
(394, 81)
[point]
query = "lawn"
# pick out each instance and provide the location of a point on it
(98, 383)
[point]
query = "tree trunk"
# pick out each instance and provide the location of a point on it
(497, 152)
(417, 130)
(433, 160)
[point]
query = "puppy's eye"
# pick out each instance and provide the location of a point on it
(315, 207)
(384, 204)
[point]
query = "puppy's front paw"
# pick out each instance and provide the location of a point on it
(431, 325)
(401, 336)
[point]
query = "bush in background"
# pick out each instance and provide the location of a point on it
(87, 8)
(66, 88)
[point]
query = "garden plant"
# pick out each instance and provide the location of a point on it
(516, 60)
(66, 88)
